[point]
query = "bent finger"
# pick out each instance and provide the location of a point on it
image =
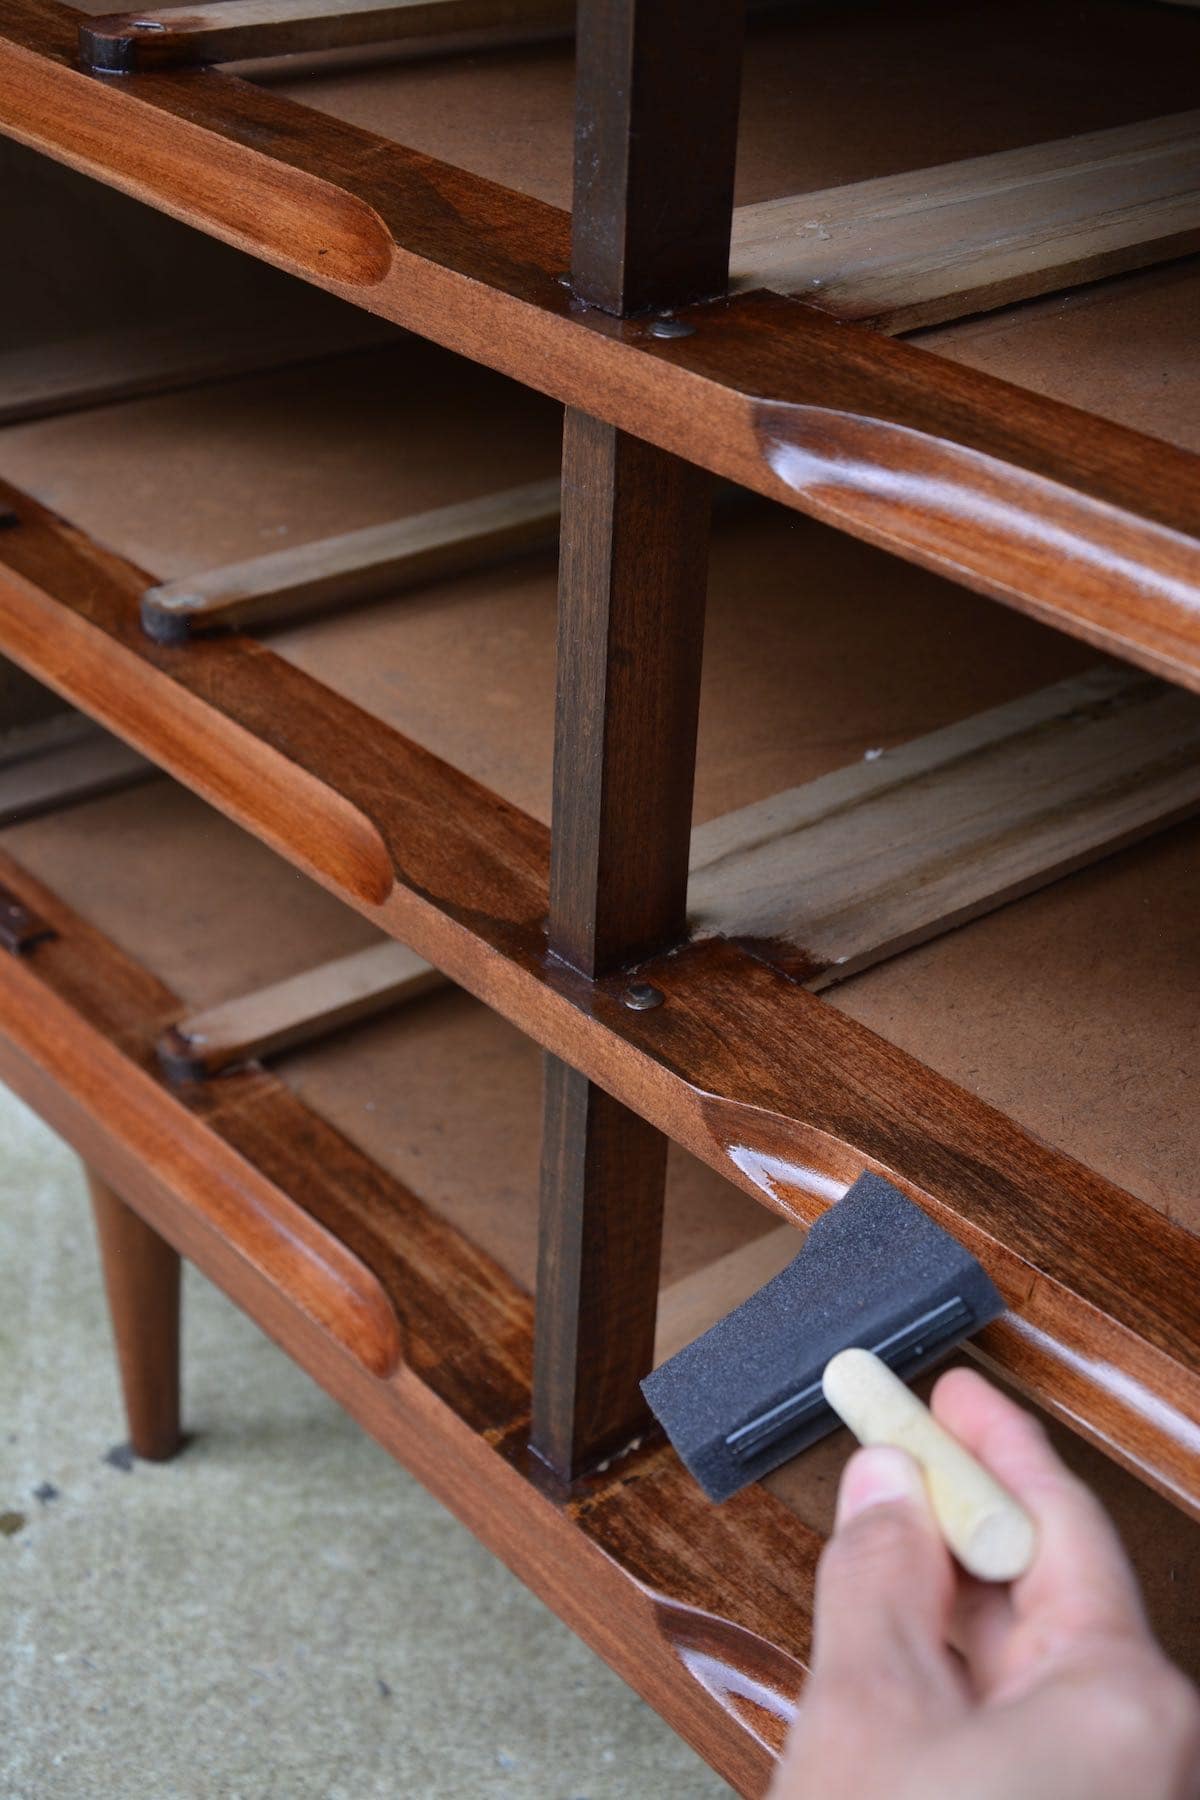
(1080, 1577)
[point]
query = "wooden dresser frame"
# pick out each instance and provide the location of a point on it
(529, 1422)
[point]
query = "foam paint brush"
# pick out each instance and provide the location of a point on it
(874, 1273)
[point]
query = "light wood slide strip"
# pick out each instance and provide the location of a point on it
(355, 566)
(935, 244)
(236, 30)
(872, 859)
(296, 1011)
(60, 760)
(98, 368)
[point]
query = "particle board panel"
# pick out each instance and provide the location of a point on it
(1126, 348)
(184, 482)
(879, 108)
(1092, 987)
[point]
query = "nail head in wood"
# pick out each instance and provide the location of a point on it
(671, 328)
(642, 996)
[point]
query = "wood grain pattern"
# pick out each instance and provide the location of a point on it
(236, 30)
(356, 565)
(632, 580)
(935, 244)
(655, 142)
(1078, 521)
(297, 1011)
(699, 1608)
(753, 1075)
(832, 877)
(61, 760)
(98, 368)
(142, 1278)
(600, 1233)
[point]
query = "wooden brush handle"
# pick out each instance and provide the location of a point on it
(992, 1536)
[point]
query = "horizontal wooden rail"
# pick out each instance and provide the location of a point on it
(1078, 521)
(696, 1606)
(767, 1083)
(238, 30)
(934, 244)
(298, 1011)
(836, 875)
(354, 566)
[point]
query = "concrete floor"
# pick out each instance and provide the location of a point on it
(280, 1614)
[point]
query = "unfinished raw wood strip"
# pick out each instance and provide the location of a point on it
(296, 1011)
(236, 30)
(924, 247)
(355, 566)
(839, 874)
(60, 760)
(106, 366)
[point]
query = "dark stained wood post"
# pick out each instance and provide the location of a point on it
(142, 1278)
(656, 128)
(656, 110)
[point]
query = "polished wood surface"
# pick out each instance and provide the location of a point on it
(142, 1276)
(632, 582)
(600, 1235)
(761, 1080)
(1077, 520)
(935, 244)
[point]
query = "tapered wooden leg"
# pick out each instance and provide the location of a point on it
(142, 1277)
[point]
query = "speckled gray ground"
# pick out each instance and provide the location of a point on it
(281, 1614)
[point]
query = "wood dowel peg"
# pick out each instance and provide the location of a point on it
(989, 1532)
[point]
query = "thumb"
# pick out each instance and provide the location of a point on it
(885, 1587)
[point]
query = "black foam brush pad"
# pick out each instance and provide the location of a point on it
(875, 1273)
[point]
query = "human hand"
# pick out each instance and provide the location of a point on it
(926, 1685)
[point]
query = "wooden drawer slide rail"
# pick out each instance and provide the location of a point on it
(753, 1075)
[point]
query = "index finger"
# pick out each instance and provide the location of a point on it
(1081, 1578)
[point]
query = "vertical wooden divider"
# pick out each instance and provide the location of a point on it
(656, 128)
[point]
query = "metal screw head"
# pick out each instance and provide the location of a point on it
(642, 996)
(671, 328)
